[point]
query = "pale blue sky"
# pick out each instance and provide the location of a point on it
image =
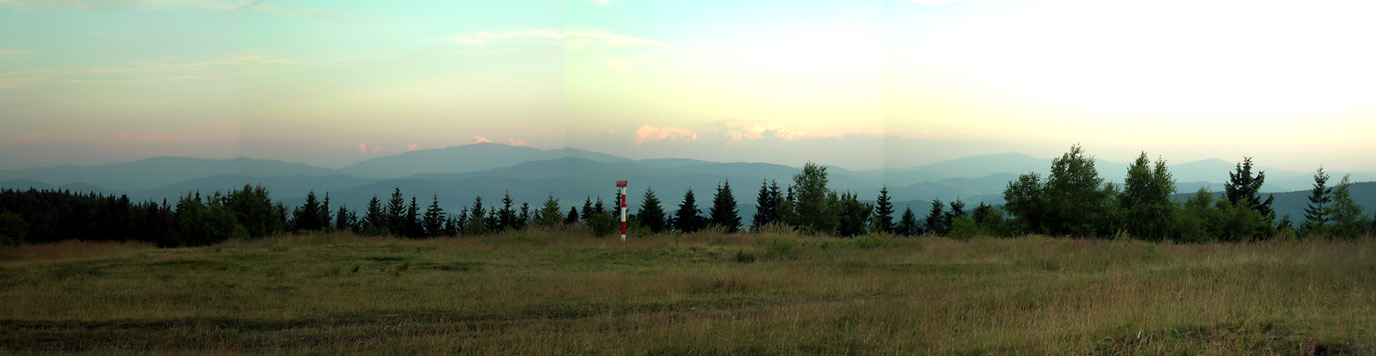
(859, 84)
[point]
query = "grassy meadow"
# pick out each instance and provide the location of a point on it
(549, 292)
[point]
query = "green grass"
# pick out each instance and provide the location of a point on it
(544, 292)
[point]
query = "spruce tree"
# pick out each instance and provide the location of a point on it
(549, 214)
(907, 225)
(1242, 185)
(1315, 215)
(587, 213)
(948, 219)
(651, 213)
(434, 218)
(396, 213)
(506, 217)
(686, 219)
(883, 212)
(936, 219)
(461, 222)
(375, 219)
(853, 215)
(476, 224)
(766, 206)
(413, 224)
(323, 215)
(723, 212)
(572, 217)
(343, 219)
(524, 217)
(306, 217)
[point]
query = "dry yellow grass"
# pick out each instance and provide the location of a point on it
(554, 292)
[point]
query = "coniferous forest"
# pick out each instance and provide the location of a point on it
(1072, 201)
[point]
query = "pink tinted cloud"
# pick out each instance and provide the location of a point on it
(515, 142)
(481, 139)
(377, 148)
(651, 133)
(412, 146)
(362, 148)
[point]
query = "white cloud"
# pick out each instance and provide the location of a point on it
(594, 39)
(651, 133)
(535, 37)
(306, 13)
(25, 78)
(741, 130)
(145, 72)
(548, 41)
(258, 59)
(111, 5)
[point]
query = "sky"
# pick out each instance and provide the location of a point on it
(857, 84)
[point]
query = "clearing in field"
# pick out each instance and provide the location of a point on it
(539, 292)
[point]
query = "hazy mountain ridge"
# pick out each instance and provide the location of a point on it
(530, 175)
(156, 172)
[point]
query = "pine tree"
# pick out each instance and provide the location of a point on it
(907, 225)
(1242, 185)
(883, 212)
(723, 212)
(1315, 216)
(434, 218)
(686, 219)
(936, 219)
(651, 213)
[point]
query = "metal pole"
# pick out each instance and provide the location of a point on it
(623, 213)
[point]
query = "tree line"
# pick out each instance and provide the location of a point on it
(1072, 201)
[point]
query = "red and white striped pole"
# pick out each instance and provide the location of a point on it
(622, 184)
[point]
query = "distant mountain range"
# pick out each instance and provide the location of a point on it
(459, 174)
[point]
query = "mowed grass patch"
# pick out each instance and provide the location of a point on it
(544, 292)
